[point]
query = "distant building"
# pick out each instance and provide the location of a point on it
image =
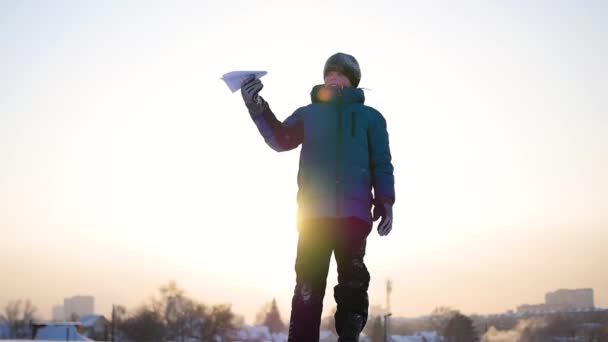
(532, 308)
(571, 299)
(561, 300)
(79, 306)
(58, 313)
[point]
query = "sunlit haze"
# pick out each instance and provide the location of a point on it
(125, 162)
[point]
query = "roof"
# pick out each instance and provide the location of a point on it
(60, 333)
(90, 320)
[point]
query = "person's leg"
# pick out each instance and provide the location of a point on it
(312, 265)
(353, 279)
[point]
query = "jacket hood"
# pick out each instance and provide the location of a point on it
(322, 94)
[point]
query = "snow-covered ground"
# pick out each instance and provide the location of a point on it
(430, 336)
(261, 333)
(248, 333)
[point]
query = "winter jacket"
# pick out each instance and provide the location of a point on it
(345, 152)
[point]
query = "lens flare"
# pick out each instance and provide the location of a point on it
(324, 94)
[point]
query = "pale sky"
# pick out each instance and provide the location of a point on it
(125, 162)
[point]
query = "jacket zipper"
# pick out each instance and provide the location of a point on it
(354, 123)
(339, 158)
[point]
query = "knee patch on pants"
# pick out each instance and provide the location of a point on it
(306, 294)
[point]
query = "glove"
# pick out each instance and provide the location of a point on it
(250, 89)
(384, 210)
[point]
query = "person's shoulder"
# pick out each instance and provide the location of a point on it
(301, 110)
(373, 112)
(371, 109)
(315, 107)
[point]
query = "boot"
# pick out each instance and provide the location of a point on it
(353, 324)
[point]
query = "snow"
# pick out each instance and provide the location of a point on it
(261, 333)
(325, 334)
(430, 336)
(397, 338)
(258, 332)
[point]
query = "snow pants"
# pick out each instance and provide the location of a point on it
(318, 238)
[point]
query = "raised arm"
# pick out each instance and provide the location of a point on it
(280, 136)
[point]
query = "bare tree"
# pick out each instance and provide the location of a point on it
(144, 326)
(328, 322)
(173, 307)
(460, 329)
(440, 316)
(195, 318)
(272, 318)
(260, 316)
(175, 317)
(119, 316)
(18, 318)
(179, 312)
(377, 330)
(219, 322)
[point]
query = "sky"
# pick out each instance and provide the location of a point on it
(125, 162)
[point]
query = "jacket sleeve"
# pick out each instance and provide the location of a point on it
(383, 179)
(280, 136)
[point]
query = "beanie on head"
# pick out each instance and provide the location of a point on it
(346, 65)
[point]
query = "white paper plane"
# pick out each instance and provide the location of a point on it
(234, 79)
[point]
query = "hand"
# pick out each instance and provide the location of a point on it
(384, 210)
(250, 89)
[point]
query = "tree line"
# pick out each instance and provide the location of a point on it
(170, 315)
(173, 316)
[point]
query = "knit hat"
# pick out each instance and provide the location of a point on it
(346, 65)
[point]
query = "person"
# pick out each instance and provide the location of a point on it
(345, 154)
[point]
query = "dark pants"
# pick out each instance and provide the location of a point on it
(346, 238)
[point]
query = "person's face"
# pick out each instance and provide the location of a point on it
(336, 79)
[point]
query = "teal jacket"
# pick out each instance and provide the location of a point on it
(345, 153)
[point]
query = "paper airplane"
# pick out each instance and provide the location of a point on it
(234, 79)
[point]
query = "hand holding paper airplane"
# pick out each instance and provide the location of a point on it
(234, 79)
